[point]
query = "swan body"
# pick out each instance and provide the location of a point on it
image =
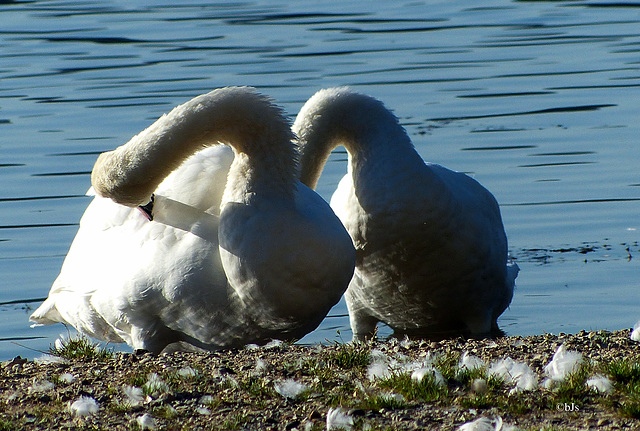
(239, 251)
(430, 244)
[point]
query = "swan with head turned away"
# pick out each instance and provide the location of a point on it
(431, 250)
(238, 250)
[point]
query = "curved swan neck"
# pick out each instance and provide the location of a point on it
(339, 116)
(238, 116)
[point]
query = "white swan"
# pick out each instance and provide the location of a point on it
(239, 251)
(430, 245)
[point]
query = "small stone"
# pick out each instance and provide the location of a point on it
(292, 425)
(314, 415)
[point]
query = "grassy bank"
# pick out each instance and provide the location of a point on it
(391, 385)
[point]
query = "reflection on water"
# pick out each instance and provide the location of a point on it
(536, 100)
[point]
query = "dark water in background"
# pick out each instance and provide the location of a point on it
(537, 100)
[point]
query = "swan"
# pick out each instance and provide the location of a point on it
(238, 251)
(431, 250)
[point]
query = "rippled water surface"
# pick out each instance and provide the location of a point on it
(537, 100)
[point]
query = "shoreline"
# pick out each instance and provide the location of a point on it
(284, 386)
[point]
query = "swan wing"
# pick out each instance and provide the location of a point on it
(287, 264)
(200, 180)
(432, 251)
(122, 270)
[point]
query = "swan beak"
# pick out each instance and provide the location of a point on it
(147, 210)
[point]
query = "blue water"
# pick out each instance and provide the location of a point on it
(537, 100)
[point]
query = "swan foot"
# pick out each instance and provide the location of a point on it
(153, 337)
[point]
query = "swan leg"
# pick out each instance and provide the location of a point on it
(363, 324)
(479, 325)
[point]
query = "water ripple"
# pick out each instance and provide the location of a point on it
(534, 112)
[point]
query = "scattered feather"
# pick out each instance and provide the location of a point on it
(480, 424)
(134, 395)
(273, 344)
(84, 406)
(381, 365)
(41, 386)
(146, 422)
(289, 388)
(67, 378)
(486, 424)
(635, 334)
(50, 359)
(428, 370)
(479, 386)
(564, 362)
(406, 343)
(261, 366)
(187, 373)
(338, 419)
(203, 410)
(392, 397)
(378, 370)
(517, 373)
(470, 362)
(600, 384)
(60, 342)
(206, 400)
(155, 386)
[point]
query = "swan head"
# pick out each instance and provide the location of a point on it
(113, 176)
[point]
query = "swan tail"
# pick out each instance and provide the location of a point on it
(46, 314)
(512, 272)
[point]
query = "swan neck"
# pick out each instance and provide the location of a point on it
(238, 116)
(340, 117)
(314, 153)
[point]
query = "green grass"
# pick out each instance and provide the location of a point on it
(622, 370)
(573, 389)
(257, 387)
(350, 355)
(630, 407)
(380, 401)
(9, 425)
(426, 390)
(80, 347)
(235, 421)
(164, 412)
(625, 373)
(448, 365)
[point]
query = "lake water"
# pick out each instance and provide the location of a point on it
(537, 100)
